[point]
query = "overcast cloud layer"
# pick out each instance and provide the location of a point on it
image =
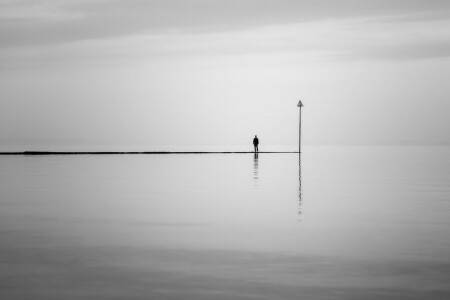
(42, 31)
(71, 70)
(56, 21)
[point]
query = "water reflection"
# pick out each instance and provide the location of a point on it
(299, 184)
(255, 166)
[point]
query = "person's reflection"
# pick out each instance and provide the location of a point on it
(299, 184)
(255, 166)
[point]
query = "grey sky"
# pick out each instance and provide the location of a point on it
(42, 22)
(216, 72)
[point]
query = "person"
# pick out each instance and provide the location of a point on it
(255, 143)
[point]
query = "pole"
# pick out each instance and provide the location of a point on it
(300, 130)
(300, 104)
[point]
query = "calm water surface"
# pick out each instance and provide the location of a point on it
(342, 223)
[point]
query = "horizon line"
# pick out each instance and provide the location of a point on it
(136, 152)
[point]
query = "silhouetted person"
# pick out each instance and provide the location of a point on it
(256, 143)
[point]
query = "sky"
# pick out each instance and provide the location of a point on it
(157, 73)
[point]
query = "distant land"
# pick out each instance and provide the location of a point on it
(133, 152)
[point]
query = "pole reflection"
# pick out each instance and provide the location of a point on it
(299, 184)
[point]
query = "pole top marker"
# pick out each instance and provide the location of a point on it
(300, 104)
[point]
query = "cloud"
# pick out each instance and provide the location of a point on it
(238, 32)
(58, 21)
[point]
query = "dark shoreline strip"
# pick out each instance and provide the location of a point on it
(144, 152)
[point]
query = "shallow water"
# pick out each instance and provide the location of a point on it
(350, 223)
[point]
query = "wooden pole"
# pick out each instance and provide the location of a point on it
(300, 105)
(300, 131)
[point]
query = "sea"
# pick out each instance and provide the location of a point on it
(334, 222)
